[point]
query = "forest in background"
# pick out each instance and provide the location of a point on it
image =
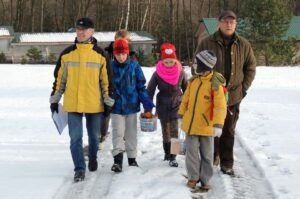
(173, 21)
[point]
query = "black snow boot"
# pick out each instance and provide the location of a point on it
(93, 165)
(173, 162)
(79, 176)
(167, 147)
(118, 161)
(132, 162)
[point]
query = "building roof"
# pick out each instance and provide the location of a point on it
(293, 30)
(210, 24)
(6, 31)
(138, 36)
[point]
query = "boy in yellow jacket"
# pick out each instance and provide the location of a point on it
(203, 111)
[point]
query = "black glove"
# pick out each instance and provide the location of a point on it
(107, 110)
(54, 107)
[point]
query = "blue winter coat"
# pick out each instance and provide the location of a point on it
(130, 90)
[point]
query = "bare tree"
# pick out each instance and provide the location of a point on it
(121, 19)
(208, 10)
(186, 30)
(42, 15)
(145, 15)
(32, 15)
(3, 11)
(11, 12)
(127, 15)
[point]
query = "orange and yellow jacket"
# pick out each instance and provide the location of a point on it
(198, 103)
(82, 75)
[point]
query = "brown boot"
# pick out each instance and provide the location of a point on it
(191, 184)
(216, 160)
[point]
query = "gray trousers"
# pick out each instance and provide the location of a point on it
(124, 134)
(199, 158)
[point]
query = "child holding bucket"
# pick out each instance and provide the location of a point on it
(130, 91)
(171, 82)
(203, 109)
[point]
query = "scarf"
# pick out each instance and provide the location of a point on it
(169, 74)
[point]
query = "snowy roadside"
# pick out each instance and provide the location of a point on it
(35, 161)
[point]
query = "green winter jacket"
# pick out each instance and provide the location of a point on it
(243, 64)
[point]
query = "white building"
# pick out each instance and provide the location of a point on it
(16, 45)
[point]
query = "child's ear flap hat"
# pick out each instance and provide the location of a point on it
(121, 47)
(168, 51)
(204, 61)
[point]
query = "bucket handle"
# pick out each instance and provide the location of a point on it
(181, 134)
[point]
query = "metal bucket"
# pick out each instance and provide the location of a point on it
(148, 124)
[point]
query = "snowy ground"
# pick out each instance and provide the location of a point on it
(35, 161)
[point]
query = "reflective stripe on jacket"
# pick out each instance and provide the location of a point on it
(81, 75)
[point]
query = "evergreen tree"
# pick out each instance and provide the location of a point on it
(35, 55)
(2, 58)
(264, 23)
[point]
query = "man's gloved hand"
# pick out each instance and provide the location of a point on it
(217, 132)
(54, 107)
(107, 110)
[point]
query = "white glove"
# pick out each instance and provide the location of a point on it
(217, 132)
(179, 122)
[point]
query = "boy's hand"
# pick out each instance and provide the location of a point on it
(217, 132)
(147, 114)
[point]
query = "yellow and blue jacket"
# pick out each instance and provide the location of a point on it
(83, 74)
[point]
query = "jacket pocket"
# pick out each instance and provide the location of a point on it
(205, 119)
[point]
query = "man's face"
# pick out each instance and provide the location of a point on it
(83, 34)
(227, 26)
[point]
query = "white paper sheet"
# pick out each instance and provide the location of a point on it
(60, 119)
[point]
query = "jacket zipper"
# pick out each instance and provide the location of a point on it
(194, 108)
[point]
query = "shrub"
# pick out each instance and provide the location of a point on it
(34, 55)
(23, 60)
(2, 58)
(51, 58)
(145, 60)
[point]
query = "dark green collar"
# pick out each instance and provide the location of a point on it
(218, 37)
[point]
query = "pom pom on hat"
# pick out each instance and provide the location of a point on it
(168, 51)
(121, 47)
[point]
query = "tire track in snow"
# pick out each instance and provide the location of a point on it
(249, 182)
(95, 185)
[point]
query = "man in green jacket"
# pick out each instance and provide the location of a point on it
(236, 62)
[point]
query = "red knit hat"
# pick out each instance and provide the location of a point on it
(121, 47)
(168, 51)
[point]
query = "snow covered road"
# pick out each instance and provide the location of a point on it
(35, 162)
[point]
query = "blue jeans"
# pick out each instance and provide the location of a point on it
(93, 123)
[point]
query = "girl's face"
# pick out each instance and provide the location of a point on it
(169, 62)
(121, 58)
